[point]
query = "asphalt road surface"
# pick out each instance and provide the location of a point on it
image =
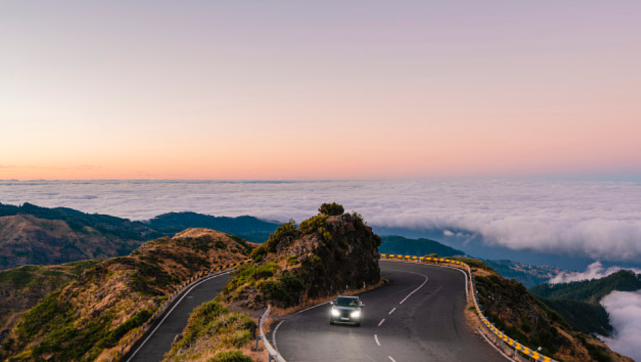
(157, 341)
(418, 316)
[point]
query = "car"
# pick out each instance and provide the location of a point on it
(346, 309)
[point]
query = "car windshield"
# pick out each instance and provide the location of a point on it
(347, 302)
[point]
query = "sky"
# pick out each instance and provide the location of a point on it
(278, 90)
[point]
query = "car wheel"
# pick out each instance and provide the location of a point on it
(358, 324)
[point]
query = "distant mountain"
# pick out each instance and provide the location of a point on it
(247, 227)
(527, 274)
(33, 235)
(36, 235)
(578, 302)
(393, 244)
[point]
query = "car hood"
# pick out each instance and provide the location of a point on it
(345, 308)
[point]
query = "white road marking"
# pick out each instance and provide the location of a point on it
(415, 290)
(274, 335)
(381, 322)
(171, 310)
(377, 342)
(390, 357)
(392, 311)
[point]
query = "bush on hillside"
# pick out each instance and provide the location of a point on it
(331, 209)
(288, 229)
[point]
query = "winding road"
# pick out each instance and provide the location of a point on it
(417, 316)
(155, 343)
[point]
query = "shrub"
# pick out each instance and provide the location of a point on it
(259, 253)
(312, 224)
(285, 230)
(232, 356)
(331, 209)
(113, 337)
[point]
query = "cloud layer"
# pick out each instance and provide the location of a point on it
(593, 271)
(625, 315)
(600, 220)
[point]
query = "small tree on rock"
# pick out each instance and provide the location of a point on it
(331, 209)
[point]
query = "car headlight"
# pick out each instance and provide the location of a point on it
(356, 314)
(335, 312)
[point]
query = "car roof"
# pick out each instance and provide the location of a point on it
(346, 296)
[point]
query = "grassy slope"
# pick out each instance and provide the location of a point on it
(24, 287)
(83, 320)
(213, 331)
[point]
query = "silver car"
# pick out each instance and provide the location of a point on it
(346, 309)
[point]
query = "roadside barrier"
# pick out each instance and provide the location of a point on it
(273, 353)
(510, 346)
(122, 348)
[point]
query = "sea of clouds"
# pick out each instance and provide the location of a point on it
(595, 270)
(599, 220)
(625, 316)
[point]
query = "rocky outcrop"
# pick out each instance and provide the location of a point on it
(323, 256)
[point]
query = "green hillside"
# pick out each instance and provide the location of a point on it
(578, 302)
(393, 244)
(590, 291)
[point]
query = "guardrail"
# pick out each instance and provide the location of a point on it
(123, 348)
(500, 339)
(273, 353)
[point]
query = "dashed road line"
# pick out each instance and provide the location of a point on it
(381, 322)
(377, 342)
(415, 290)
(390, 357)
(392, 311)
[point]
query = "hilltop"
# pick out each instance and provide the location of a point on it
(33, 235)
(89, 316)
(308, 262)
(521, 315)
(40, 236)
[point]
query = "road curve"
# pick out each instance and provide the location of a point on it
(418, 316)
(159, 337)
